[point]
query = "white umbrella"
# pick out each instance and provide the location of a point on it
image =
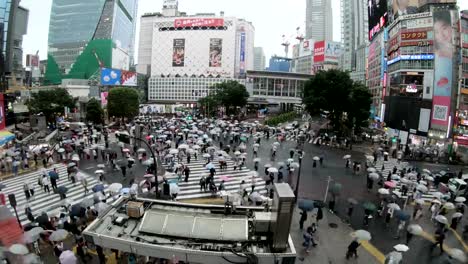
(61, 150)
(423, 182)
(426, 171)
(33, 234)
(415, 229)
(196, 147)
(457, 214)
(460, 199)
(449, 206)
(419, 201)
(268, 165)
(101, 166)
(68, 257)
(141, 150)
(374, 176)
(370, 158)
(441, 219)
(257, 160)
(148, 162)
(76, 158)
(273, 170)
(395, 177)
(206, 155)
(429, 178)
(361, 235)
(115, 187)
(383, 191)
(316, 158)
(458, 254)
(347, 156)
(437, 201)
(394, 206)
(295, 165)
(401, 247)
(422, 188)
(237, 153)
(371, 170)
(276, 144)
(183, 146)
(438, 195)
(101, 207)
(173, 151)
(58, 235)
(18, 249)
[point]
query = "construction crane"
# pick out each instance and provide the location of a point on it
(285, 42)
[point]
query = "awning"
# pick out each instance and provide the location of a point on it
(5, 137)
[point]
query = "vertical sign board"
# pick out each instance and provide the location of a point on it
(2, 112)
(216, 52)
(444, 50)
(319, 51)
(178, 53)
(242, 53)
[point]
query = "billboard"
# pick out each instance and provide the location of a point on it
(110, 76)
(319, 51)
(32, 60)
(104, 98)
(242, 53)
(377, 11)
(128, 78)
(178, 54)
(2, 112)
(443, 50)
(216, 52)
(306, 47)
(332, 51)
(199, 22)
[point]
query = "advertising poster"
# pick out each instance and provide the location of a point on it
(104, 98)
(242, 53)
(319, 51)
(377, 11)
(443, 51)
(128, 78)
(199, 22)
(216, 52)
(402, 7)
(2, 112)
(178, 54)
(110, 76)
(332, 51)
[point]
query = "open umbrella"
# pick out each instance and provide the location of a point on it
(71, 165)
(395, 177)
(58, 235)
(441, 219)
(369, 206)
(18, 249)
(415, 229)
(209, 166)
(374, 176)
(459, 199)
(352, 201)
(101, 207)
(457, 214)
(305, 204)
(295, 165)
(336, 188)
(426, 171)
(77, 210)
(68, 257)
(99, 172)
(316, 158)
(87, 202)
(148, 176)
(75, 158)
(401, 247)
(371, 170)
(390, 184)
(173, 151)
(62, 189)
(394, 206)
(257, 160)
(115, 187)
(420, 201)
(101, 166)
(61, 150)
(458, 254)
(383, 191)
(402, 215)
(347, 156)
(361, 235)
(206, 155)
(53, 175)
(449, 206)
(33, 234)
(272, 170)
(98, 188)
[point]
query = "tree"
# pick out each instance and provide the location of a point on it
(231, 94)
(50, 103)
(346, 102)
(209, 105)
(94, 112)
(122, 102)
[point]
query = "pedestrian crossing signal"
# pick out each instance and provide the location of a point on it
(123, 137)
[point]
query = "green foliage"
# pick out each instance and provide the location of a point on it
(50, 102)
(230, 94)
(94, 112)
(282, 118)
(348, 102)
(122, 102)
(209, 105)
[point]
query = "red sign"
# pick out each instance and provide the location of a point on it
(461, 140)
(420, 43)
(199, 22)
(414, 35)
(319, 51)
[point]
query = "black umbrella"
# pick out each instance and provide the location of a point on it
(62, 189)
(77, 210)
(43, 219)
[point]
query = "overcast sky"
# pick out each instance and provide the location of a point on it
(271, 18)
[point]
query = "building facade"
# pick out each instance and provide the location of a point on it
(259, 59)
(319, 20)
(302, 59)
(105, 27)
(354, 36)
(461, 121)
(191, 53)
(279, 64)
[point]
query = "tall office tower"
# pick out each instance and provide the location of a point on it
(259, 59)
(89, 34)
(319, 20)
(354, 36)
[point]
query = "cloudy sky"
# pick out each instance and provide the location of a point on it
(271, 18)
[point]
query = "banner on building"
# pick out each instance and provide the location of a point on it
(2, 112)
(242, 53)
(104, 98)
(216, 52)
(128, 78)
(377, 14)
(319, 51)
(32, 60)
(443, 51)
(110, 76)
(332, 51)
(199, 22)
(178, 54)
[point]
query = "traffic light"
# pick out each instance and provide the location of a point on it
(123, 136)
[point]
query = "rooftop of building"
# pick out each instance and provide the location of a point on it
(278, 74)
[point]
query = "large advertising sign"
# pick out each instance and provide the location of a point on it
(332, 51)
(216, 52)
(199, 22)
(377, 10)
(242, 53)
(319, 51)
(2, 112)
(104, 98)
(443, 50)
(178, 54)
(32, 60)
(110, 76)
(128, 78)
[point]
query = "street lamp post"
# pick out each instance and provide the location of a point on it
(296, 190)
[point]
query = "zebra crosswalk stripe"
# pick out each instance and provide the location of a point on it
(43, 201)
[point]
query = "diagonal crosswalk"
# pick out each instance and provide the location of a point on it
(43, 201)
(191, 189)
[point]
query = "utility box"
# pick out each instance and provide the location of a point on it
(135, 209)
(282, 212)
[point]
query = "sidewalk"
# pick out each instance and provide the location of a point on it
(332, 242)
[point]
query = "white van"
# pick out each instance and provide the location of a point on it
(457, 187)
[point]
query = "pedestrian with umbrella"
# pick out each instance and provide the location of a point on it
(26, 191)
(54, 176)
(439, 240)
(62, 190)
(349, 213)
(302, 219)
(369, 208)
(456, 218)
(352, 249)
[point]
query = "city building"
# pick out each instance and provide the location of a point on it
(259, 59)
(319, 20)
(279, 64)
(354, 36)
(302, 58)
(280, 91)
(85, 36)
(13, 26)
(326, 55)
(191, 53)
(461, 121)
